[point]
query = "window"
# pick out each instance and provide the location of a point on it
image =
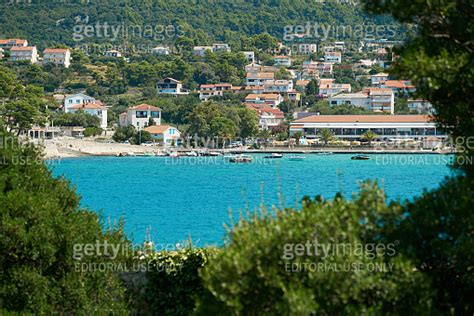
(171, 131)
(155, 114)
(142, 114)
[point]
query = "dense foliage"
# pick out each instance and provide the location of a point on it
(152, 22)
(174, 282)
(41, 226)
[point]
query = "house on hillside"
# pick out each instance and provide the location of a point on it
(269, 99)
(221, 48)
(329, 89)
(76, 99)
(96, 109)
(165, 135)
(201, 50)
(57, 56)
(113, 54)
(258, 78)
(214, 90)
(378, 79)
(250, 56)
(24, 53)
(267, 117)
(138, 116)
(333, 57)
(281, 60)
(420, 106)
(161, 50)
(171, 86)
(7, 44)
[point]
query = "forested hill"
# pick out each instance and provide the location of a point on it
(47, 23)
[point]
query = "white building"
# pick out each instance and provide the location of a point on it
(376, 100)
(259, 78)
(139, 116)
(7, 44)
(24, 53)
(267, 117)
(340, 46)
(161, 50)
(378, 79)
(113, 54)
(278, 86)
(1, 53)
(96, 109)
(327, 89)
(76, 99)
(57, 56)
(382, 100)
(220, 48)
(284, 61)
(268, 99)
(171, 86)
(333, 57)
(165, 135)
(250, 56)
(213, 90)
(352, 127)
(420, 106)
(201, 50)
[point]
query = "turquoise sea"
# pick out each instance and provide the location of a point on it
(176, 199)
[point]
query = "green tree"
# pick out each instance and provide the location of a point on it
(369, 136)
(326, 135)
(298, 135)
(41, 228)
(312, 88)
(248, 122)
(124, 133)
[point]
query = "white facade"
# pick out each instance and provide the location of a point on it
(201, 50)
(171, 86)
(350, 127)
(420, 106)
(1, 53)
(161, 50)
(76, 99)
(220, 48)
(259, 78)
(330, 89)
(376, 100)
(60, 57)
(250, 56)
(213, 90)
(278, 86)
(333, 57)
(284, 61)
(139, 116)
(24, 53)
(379, 78)
(164, 134)
(92, 109)
(113, 54)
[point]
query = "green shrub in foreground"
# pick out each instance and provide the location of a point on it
(41, 223)
(173, 282)
(253, 273)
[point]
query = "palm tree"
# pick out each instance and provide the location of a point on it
(326, 135)
(298, 135)
(369, 136)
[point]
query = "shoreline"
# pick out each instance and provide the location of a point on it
(76, 148)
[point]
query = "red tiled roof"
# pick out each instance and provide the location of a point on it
(145, 107)
(96, 106)
(22, 48)
(157, 129)
(56, 50)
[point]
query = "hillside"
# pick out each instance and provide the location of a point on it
(47, 23)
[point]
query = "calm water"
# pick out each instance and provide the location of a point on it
(185, 197)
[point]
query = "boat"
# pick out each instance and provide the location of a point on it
(149, 154)
(174, 154)
(360, 157)
(240, 159)
(273, 156)
(214, 153)
(297, 157)
(325, 153)
(192, 154)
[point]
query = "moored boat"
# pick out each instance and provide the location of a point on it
(273, 156)
(360, 157)
(297, 157)
(240, 159)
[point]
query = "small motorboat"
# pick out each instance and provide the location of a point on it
(297, 158)
(326, 153)
(241, 159)
(273, 156)
(174, 154)
(360, 157)
(192, 154)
